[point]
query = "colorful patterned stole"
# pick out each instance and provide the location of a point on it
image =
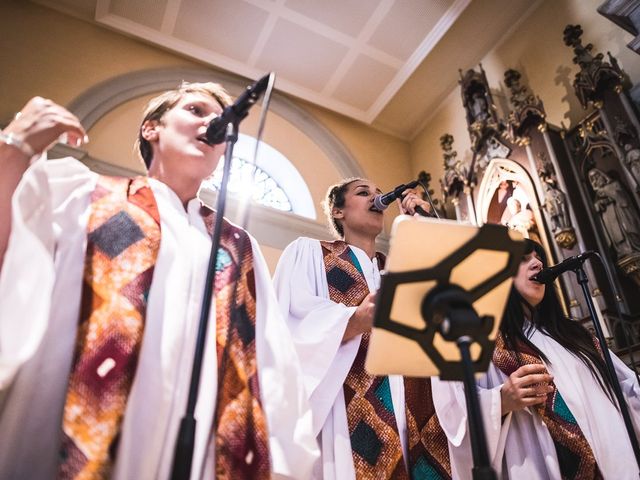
(122, 246)
(428, 444)
(375, 442)
(240, 424)
(574, 452)
(123, 242)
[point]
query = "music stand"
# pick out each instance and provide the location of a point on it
(440, 303)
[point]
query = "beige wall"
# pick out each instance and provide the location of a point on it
(536, 49)
(49, 54)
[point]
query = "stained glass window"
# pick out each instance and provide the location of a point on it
(276, 184)
(266, 190)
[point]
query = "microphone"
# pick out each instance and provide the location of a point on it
(235, 113)
(381, 202)
(549, 274)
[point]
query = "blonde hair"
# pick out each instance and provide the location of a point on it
(158, 106)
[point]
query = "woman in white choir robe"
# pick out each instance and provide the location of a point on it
(367, 426)
(101, 394)
(559, 416)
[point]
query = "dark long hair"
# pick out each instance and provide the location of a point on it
(549, 318)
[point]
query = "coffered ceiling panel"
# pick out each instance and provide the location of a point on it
(345, 16)
(351, 56)
(388, 63)
(407, 24)
(301, 56)
(217, 24)
(149, 13)
(361, 84)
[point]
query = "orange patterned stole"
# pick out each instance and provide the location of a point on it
(122, 246)
(375, 442)
(428, 444)
(240, 427)
(575, 456)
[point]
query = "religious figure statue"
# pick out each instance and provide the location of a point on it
(520, 96)
(555, 203)
(619, 215)
(455, 171)
(521, 219)
(498, 203)
(479, 107)
(632, 162)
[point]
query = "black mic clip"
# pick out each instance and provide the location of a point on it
(549, 274)
(234, 113)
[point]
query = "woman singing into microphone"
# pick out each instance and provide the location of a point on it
(560, 417)
(368, 427)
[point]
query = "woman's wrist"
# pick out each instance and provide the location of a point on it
(11, 140)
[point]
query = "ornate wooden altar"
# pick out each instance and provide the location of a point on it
(572, 190)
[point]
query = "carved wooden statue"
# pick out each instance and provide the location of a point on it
(619, 216)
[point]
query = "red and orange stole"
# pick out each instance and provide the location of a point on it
(122, 248)
(240, 425)
(574, 453)
(375, 442)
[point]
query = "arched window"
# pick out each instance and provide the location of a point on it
(276, 183)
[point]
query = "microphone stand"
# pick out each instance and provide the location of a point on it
(583, 281)
(460, 323)
(183, 453)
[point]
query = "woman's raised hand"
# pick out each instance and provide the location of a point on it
(41, 122)
(362, 319)
(411, 200)
(529, 385)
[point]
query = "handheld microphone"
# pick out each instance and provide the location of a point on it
(549, 274)
(234, 113)
(381, 202)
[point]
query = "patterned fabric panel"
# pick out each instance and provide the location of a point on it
(240, 425)
(428, 444)
(574, 452)
(375, 443)
(122, 246)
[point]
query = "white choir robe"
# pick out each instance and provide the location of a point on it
(526, 448)
(317, 325)
(40, 287)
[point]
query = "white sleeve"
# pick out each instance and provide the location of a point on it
(451, 408)
(292, 443)
(48, 219)
(630, 389)
(317, 325)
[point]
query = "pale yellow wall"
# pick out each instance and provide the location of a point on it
(384, 158)
(536, 49)
(46, 53)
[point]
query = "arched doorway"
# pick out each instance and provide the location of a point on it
(507, 196)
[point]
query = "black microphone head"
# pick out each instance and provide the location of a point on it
(378, 202)
(216, 130)
(549, 274)
(546, 275)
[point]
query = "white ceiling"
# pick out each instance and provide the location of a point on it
(354, 57)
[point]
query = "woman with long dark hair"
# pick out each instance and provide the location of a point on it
(560, 417)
